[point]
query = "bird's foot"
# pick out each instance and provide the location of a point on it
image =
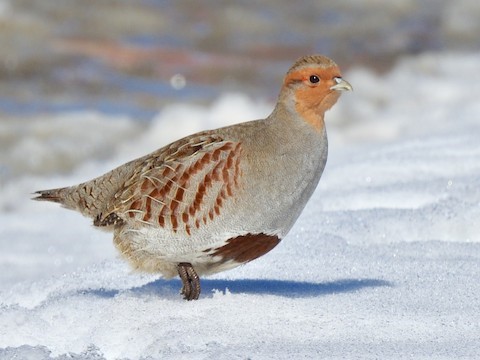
(191, 282)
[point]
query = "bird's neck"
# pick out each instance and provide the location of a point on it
(296, 114)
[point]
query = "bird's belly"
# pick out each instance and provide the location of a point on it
(211, 249)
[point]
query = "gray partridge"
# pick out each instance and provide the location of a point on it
(219, 198)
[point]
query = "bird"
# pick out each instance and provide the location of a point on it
(218, 198)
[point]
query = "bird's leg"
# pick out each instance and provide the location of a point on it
(186, 285)
(191, 282)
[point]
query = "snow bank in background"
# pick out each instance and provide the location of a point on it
(59, 144)
(420, 96)
(383, 263)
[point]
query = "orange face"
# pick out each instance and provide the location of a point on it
(316, 89)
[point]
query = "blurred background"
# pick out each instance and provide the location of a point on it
(132, 57)
(80, 79)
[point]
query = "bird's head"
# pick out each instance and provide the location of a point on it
(311, 87)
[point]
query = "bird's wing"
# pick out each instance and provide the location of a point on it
(179, 187)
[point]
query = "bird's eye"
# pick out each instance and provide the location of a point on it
(314, 79)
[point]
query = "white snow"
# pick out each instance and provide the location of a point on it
(383, 263)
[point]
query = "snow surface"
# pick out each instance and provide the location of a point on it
(383, 263)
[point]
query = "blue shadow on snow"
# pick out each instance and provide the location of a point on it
(285, 288)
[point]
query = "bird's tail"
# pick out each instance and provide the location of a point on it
(91, 197)
(53, 195)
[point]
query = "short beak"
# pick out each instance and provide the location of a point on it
(341, 85)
